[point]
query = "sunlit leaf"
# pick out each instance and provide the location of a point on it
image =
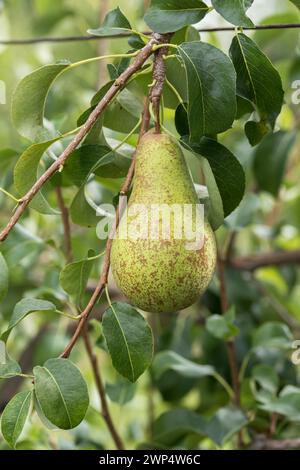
(61, 392)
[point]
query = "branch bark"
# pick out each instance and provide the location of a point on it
(92, 356)
(101, 390)
(57, 39)
(230, 345)
(140, 59)
(261, 442)
(66, 225)
(251, 263)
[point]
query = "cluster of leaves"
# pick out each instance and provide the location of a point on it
(219, 104)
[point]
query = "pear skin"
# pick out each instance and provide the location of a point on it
(161, 273)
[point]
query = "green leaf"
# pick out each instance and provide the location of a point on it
(74, 277)
(122, 391)
(98, 159)
(234, 11)
(7, 158)
(28, 101)
(166, 16)
(8, 366)
(123, 113)
(270, 160)
(211, 89)
(214, 205)
(24, 308)
(227, 170)
(176, 424)
(225, 424)
(115, 23)
(243, 107)
(181, 120)
(14, 417)
(25, 174)
(81, 211)
(256, 131)
(273, 335)
(173, 425)
(257, 79)
(82, 161)
(287, 404)
(222, 326)
(296, 3)
(3, 278)
(268, 381)
(41, 415)
(61, 392)
(129, 340)
(170, 360)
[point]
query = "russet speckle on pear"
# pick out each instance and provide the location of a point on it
(161, 275)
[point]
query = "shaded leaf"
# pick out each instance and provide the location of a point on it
(273, 335)
(122, 391)
(115, 23)
(24, 308)
(225, 424)
(166, 16)
(222, 326)
(25, 174)
(227, 170)
(287, 404)
(3, 278)
(29, 98)
(211, 89)
(181, 120)
(74, 277)
(61, 392)
(234, 11)
(257, 79)
(264, 383)
(129, 340)
(173, 425)
(8, 366)
(255, 131)
(124, 112)
(215, 204)
(296, 3)
(15, 415)
(170, 360)
(270, 160)
(81, 211)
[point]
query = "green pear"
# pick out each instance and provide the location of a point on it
(157, 269)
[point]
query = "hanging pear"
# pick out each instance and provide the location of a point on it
(164, 253)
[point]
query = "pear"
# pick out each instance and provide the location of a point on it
(155, 268)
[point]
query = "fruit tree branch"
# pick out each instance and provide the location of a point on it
(66, 225)
(92, 356)
(230, 344)
(251, 263)
(106, 263)
(261, 442)
(140, 59)
(57, 39)
(102, 395)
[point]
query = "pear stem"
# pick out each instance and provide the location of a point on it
(159, 75)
